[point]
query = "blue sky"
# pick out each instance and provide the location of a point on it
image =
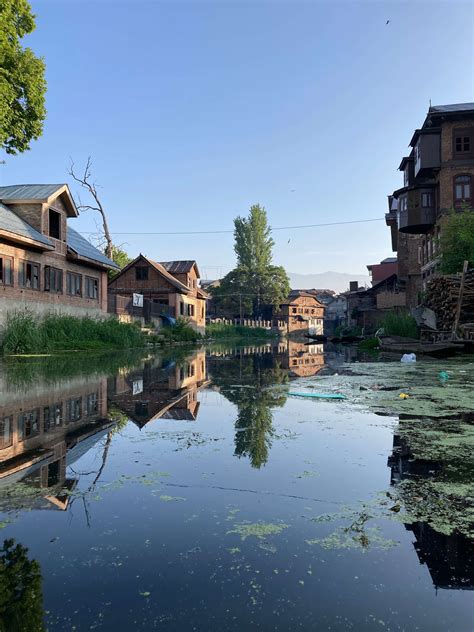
(193, 111)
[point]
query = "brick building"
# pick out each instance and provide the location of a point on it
(44, 263)
(438, 176)
(171, 289)
(381, 271)
(302, 312)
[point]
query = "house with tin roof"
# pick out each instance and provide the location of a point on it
(44, 263)
(170, 290)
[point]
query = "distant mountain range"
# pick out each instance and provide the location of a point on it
(338, 281)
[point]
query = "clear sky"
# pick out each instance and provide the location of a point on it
(193, 111)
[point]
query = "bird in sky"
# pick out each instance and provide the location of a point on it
(292, 190)
(387, 22)
(289, 240)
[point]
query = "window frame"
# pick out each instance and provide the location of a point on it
(429, 196)
(31, 417)
(463, 135)
(141, 273)
(460, 200)
(6, 444)
(52, 213)
(69, 277)
(51, 273)
(2, 270)
(94, 295)
(22, 274)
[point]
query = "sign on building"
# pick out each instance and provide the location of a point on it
(137, 300)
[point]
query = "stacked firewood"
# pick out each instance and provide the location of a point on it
(442, 297)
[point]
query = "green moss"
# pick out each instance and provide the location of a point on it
(260, 530)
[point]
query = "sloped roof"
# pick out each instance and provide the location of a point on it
(179, 267)
(452, 107)
(38, 193)
(11, 222)
(83, 248)
(159, 268)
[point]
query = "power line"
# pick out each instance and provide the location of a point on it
(220, 232)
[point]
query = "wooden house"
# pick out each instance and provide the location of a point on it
(302, 312)
(170, 288)
(44, 263)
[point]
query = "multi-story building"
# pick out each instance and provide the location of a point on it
(438, 176)
(46, 265)
(170, 288)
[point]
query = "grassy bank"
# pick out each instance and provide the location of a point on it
(400, 324)
(27, 333)
(180, 332)
(221, 331)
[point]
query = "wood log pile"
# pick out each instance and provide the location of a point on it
(442, 297)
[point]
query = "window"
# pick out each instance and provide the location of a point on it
(6, 270)
(52, 416)
(403, 203)
(28, 425)
(181, 309)
(6, 432)
(92, 288)
(53, 280)
(92, 403)
(190, 310)
(462, 142)
(426, 200)
(54, 224)
(462, 188)
(74, 284)
(141, 273)
(29, 275)
(74, 409)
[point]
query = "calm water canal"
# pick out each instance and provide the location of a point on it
(194, 491)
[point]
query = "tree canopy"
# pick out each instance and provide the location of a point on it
(457, 241)
(22, 80)
(255, 282)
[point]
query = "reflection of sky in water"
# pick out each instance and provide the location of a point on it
(180, 532)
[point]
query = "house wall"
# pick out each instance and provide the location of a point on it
(381, 271)
(17, 297)
(304, 313)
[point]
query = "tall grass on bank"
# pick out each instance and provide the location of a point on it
(180, 332)
(219, 330)
(400, 324)
(27, 333)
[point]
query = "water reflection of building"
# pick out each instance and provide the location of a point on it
(160, 390)
(448, 557)
(43, 431)
(300, 359)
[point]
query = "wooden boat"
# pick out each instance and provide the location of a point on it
(316, 337)
(397, 344)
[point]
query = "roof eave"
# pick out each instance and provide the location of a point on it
(15, 237)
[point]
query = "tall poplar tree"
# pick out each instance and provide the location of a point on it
(22, 80)
(255, 282)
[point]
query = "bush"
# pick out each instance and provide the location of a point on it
(180, 332)
(26, 333)
(400, 324)
(219, 330)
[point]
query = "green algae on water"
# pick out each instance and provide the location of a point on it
(260, 530)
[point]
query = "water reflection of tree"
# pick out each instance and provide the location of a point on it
(247, 382)
(21, 597)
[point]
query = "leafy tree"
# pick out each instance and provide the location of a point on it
(255, 281)
(457, 241)
(21, 597)
(22, 80)
(121, 258)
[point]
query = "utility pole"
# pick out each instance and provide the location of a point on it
(240, 307)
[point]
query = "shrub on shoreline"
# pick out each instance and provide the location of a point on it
(220, 330)
(27, 333)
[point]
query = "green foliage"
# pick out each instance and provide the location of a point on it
(22, 80)
(457, 241)
(220, 330)
(181, 332)
(369, 344)
(26, 333)
(121, 258)
(21, 597)
(400, 324)
(255, 281)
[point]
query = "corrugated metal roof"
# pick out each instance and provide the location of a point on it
(173, 280)
(28, 191)
(178, 267)
(84, 248)
(453, 107)
(12, 223)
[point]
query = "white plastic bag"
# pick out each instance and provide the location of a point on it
(408, 357)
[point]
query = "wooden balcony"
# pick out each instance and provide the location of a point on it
(416, 221)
